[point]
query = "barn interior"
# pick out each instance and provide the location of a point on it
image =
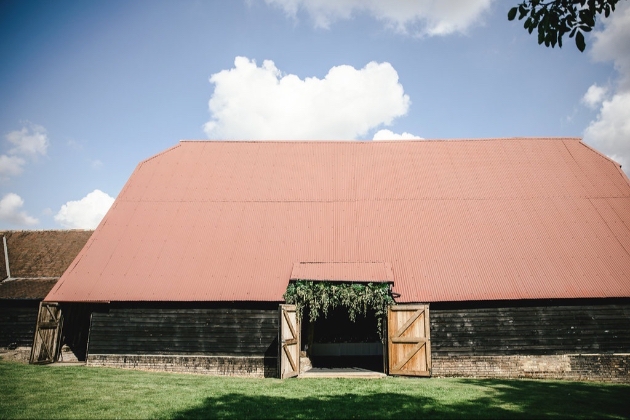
(335, 341)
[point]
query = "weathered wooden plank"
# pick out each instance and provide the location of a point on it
(241, 341)
(185, 330)
(289, 342)
(17, 323)
(409, 340)
(405, 340)
(116, 326)
(531, 330)
(211, 331)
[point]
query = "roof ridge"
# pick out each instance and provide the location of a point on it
(367, 141)
(126, 186)
(158, 154)
(617, 164)
(600, 154)
(45, 230)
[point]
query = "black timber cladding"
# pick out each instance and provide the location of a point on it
(17, 322)
(185, 330)
(530, 328)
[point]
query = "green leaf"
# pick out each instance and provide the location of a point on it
(319, 297)
(512, 13)
(579, 41)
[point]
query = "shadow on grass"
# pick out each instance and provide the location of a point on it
(557, 399)
(491, 399)
(380, 405)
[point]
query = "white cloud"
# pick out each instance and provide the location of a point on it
(594, 96)
(610, 131)
(29, 141)
(420, 17)
(261, 103)
(73, 144)
(10, 206)
(85, 213)
(11, 165)
(613, 43)
(390, 135)
(621, 161)
(96, 164)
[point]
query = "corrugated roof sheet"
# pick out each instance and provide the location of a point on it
(366, 272)
(457, 220)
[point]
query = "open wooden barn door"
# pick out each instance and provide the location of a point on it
(409, 341)
(289, 342)
(47, 334)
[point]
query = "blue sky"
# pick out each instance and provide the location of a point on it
(89, 89)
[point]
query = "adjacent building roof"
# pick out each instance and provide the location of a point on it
(37, 258)
(31, 289)
(456, 220)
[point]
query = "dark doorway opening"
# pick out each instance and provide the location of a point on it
(75, 332)
(337, 342)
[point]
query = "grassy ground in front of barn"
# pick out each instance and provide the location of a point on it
(28, 391)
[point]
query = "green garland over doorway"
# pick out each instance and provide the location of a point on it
(321, 296)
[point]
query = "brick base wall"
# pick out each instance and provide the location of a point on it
(595, 367)
(253, 367)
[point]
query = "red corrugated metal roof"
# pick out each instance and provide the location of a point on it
(457, 220)
(376, 272)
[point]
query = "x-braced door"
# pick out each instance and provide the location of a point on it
(289, 342)
(409, 341)
(47, 334)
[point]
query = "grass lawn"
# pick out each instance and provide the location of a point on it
(82, 392)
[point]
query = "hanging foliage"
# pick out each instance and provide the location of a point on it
(319, 297)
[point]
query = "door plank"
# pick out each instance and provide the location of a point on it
(47, 334)
(289, 342)
(408, 340)
(410, 321)
(408, 356)
(409, 343)
(289, 323)
(288, 354)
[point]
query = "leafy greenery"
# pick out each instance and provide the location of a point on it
(319, 297)
(36, 392)
(555, 18)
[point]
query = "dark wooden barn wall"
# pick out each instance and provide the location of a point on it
(536, 329)
(17, 322)
(185, 331)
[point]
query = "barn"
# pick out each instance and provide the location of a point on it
(505, 258)
(30, 265)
